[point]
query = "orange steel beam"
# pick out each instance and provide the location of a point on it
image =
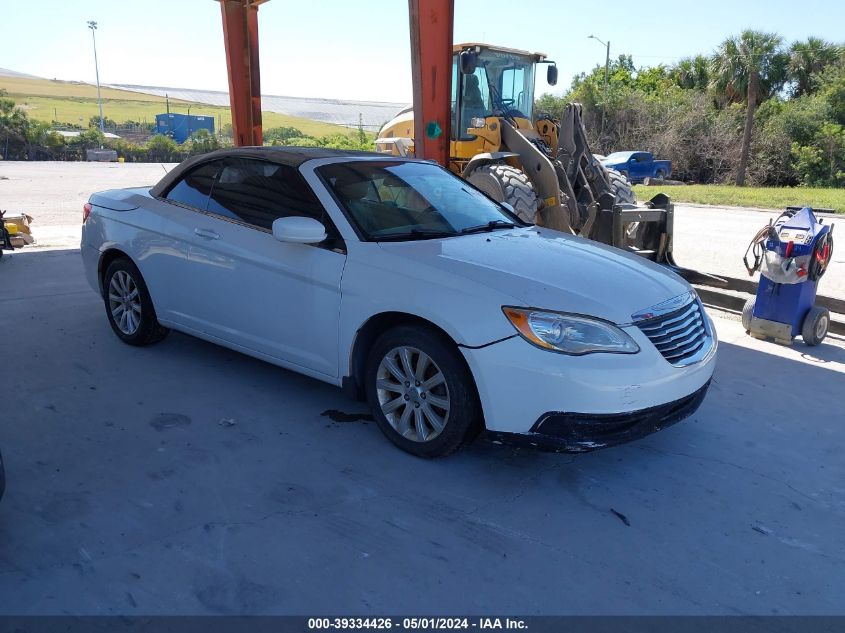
(240, 34)
(431, 23)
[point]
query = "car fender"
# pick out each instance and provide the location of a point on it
(468, 312)
(484, 159)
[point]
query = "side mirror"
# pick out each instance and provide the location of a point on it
(299, 230)
(469, 62)
(551, 75)
(508, 206)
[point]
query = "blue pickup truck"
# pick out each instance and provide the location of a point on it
(637, 166)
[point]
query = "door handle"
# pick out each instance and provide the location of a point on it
(207, 234)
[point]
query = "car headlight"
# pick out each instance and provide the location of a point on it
(569, 334)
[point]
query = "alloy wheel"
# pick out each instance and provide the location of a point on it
(125, 302)
(412, 394)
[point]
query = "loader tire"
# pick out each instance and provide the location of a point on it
(621, 188)
(508, 184)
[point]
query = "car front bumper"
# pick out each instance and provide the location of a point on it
(583, 403)
(581, 433)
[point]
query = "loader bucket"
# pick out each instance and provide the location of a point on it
(647, 231)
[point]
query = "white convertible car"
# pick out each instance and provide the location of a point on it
(403, 284)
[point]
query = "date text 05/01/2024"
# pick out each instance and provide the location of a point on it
(411, 624)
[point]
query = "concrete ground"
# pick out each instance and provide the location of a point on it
(709, 239)
(714, 239)
(184, 478)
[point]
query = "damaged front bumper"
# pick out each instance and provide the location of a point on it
(584, 432)
(582, 403)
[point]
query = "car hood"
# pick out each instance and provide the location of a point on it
(546, 269)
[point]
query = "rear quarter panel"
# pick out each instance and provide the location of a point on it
(665, 165)
(148, 231)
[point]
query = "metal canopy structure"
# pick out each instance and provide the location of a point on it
(431, 25)
(240, 34)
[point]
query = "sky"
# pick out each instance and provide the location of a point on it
(359, 49)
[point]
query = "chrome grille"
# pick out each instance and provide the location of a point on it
(681, 336)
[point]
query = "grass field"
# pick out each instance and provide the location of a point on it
(762, 197)
(73, 102)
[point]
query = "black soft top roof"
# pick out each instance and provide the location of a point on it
(285, 155)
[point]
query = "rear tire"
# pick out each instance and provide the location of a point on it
(129, 307)
(421, 391)
(508, 184)
(747, 311)
(815, 325)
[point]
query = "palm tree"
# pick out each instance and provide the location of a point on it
(750, 67)
(691, 73)
(807, 59)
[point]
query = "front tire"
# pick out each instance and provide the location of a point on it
(508, 184)
(129, 307)
(421, 392)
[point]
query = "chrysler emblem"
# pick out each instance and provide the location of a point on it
(670, 305)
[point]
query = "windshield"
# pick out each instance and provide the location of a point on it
(502, 82)
(512, 78)
(390, 200)
(617, 156)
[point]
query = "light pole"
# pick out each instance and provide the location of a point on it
(93, 26)
(606, 75)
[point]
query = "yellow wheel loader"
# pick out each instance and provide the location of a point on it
(541, 167)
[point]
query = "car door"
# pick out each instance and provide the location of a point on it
(164, 259)
(639, 166)
(278, 299)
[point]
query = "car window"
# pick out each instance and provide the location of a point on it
(257, 192)
(410, 200)
(193, 189)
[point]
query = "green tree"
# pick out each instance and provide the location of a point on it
(162, 148)
(281, 134)
(831, 141)
(91, 138)
(749, 67)
(94, 121)
(691, 73)
(13, 127)
(652, 80)
(831, 84)
(549, 104)
(362, 135)
(807, 60)
(201, 142)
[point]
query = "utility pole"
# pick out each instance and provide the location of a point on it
(93, 26)
(606, 76)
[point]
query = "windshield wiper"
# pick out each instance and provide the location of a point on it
(419, 234)
(494, 224)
